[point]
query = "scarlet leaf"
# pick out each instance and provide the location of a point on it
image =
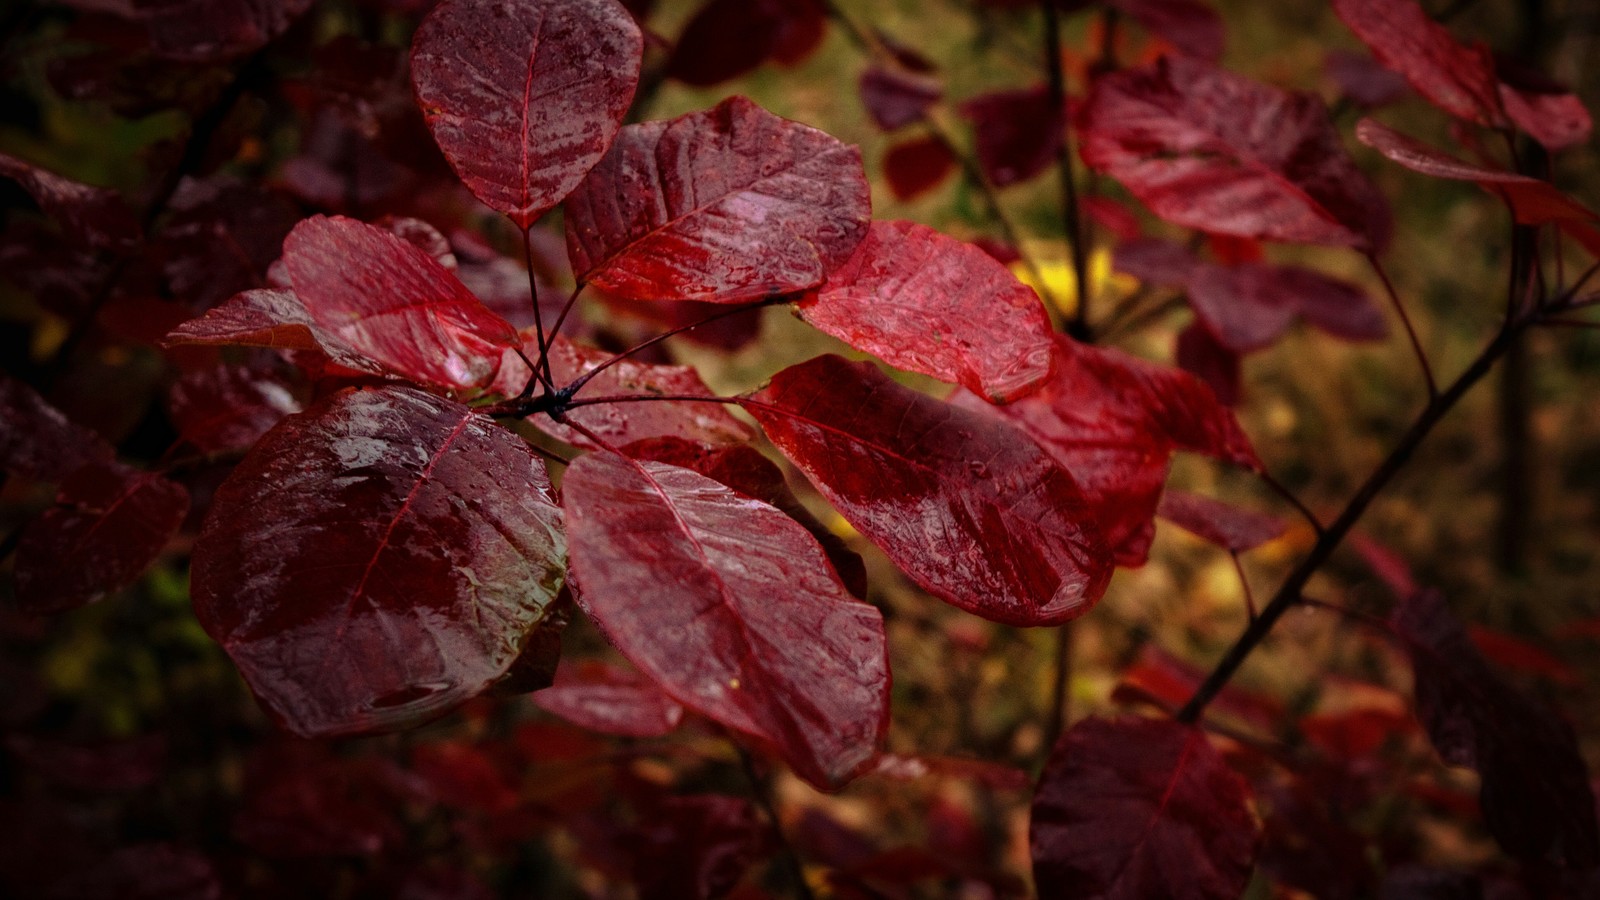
(732, 608)
(1228, 526)
(1113, 422)
(275, 319)
(229, 407)
(108, 525)
(95, 217)
(1191, 26)
(1134, 808)
(726, 205)
(1459, 80)
(377, 560)
(389, 301)
(1535, 791)
(965, 505)
(1205, 148)
(1016, 133)
(37, 441)
(610, 700)
(932, 304)
(895, 98)
(524, 96)
(917, 166)
(1249, 306)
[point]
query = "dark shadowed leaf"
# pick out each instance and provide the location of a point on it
(143, 872)
(229, 407)
(300, 801)
(119, 764)
(696, 848)
(1135, 808)
(214, 30)
(524, 96)
(91, 216)
(1016, 133)
(965, 505)
(1459, 80)
(917, 166)
(728, 38)
(107, 526)
(895, 98)
(726, 205)
(610, 700)
(1247, 307)
(1413, 881)
(923, 301)
(1200, 354)
(377, 560)
(1155, 261)
(220, 237)
(1205, 148)
(1191, 26)
(275, 319)
(1535, 792)
(388, 300)
(1229, 527)
(38, 441)
(1113, 421)
(1521, 655)
(1363, 79)
(732, 608)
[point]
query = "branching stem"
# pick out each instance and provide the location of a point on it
(1405, 319)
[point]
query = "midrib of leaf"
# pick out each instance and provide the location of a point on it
(527, 98)
(1161, 807)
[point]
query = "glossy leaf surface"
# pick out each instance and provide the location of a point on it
(377, 560)
(1535, 792)
(726, 205)
(732, 608)
(91, 216)
(966, 506)
(1113, 422)
(38, 441)
(1229, 527)
(923, 301)
(1135, 808)
(610, 700)
(389, 301)
(524, 96)
(1459, 80)
(276, 319)
(1205, 148)
(107, 526)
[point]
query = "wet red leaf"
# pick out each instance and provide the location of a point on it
(1205, 148)
(1459, 80)
(91, 216)
(917, 166)
(229, 407)
(377, 560)
(38, 441)
(1016, 133)
(610, 700)
(278, 320)
(1229, 527)
(929, 303)
(1134, 808)
(727, 205)
(732, 608)
(965, 505)
(524, 96)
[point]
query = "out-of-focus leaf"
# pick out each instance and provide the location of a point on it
(229, 407)
(1556, 119)
(1203, 356)
(1191, 26)
(917, 166)
(38, 441)
(1247, 307)
(1229, 527)
(1016, 133)
(1459, 80)
(124, 764)
(728, 38)
(610, 700)
(219, 239)
(698, 847)
(895, 98)
(160, 871)
(1363, 79)
(91, 216)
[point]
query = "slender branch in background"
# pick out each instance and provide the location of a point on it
(1131, 319)
(1289, 497)
(1405, 319)
(1244, 583)
(761, 790)
(1071, 215)
(1355, 615)
(572, 300)
(1568, 323)
(584, 379)
(542, 370)
(1060, 691)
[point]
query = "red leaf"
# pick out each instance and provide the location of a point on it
(1249, 306)
(1113, 422)
(275, 319)
(1535, 790)
(728, 38)
(932, 304)
(1556, 119)
(1205, 148)
(124, 764)
(1155, 261)
(1017, 133)
(37, 441)
(727, 205)
(1201, 355)
(389, 301)
(917, 166)
(108, 525)
(1363, 79)
(1228, 526)
(524, 96)
(1113, 217)
(732, 608)
(1459, 80)
(966, 506)
(1134, 808)
(377, 560)
(95, 217)
(462, 776)
(1522, 655)
(220, 238)
(610, 700)
(1191, 26)
(300, 801)
(895, 98)
(228, 407)
(1167, 681)
(698, 846)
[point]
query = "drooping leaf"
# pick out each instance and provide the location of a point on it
(698, 846)
(1534, 792)
(923, 301)
(91, 216)
(1134, 808)
(1113, 422)
(1191, 26)
(1459, 80)
(966, 506)
(524, 96)
(38, 441)
(610, 700)
(729, 38)
(732, 608)
(1016, 133)
(229, 407)
(727, 205)
(1229, 527)
(1249, 306)
(895, 97)
(107, 526)
(275, 319)
(377, 560)
(1205, 148)
(917, 166)
(389, 301)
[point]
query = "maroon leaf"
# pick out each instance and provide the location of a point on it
(1249, 306)
(728, 38)
(524, 96)
(1363, 79)
(917, 166)
(1457, 79)
(698, 847)
(275, 319)
(1191, 26)
(1155, 261)
(213, 30)
(895, 98)
(1199, 354)
(107, 526)
(1016, 133)
(732, 608)
(300, 801)
(124, 764)
(389, 301)
(1113, 422)
(1134, 808)
(95, 217)
(228, 407)
(1228, 526)
(610, 700)
(963, 504)
(220, 238)
(932, 304)
(1209, 149)
(377, 560)
(1535, 792)
(143, 872)
(726, 205)
(37, 441)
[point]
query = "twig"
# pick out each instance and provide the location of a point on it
(1244, 582)
(1071, 217)
(1289, 497)
(585, 378)
(541, 370)
(761, 790)
(1405, 319)
(1060, 693)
